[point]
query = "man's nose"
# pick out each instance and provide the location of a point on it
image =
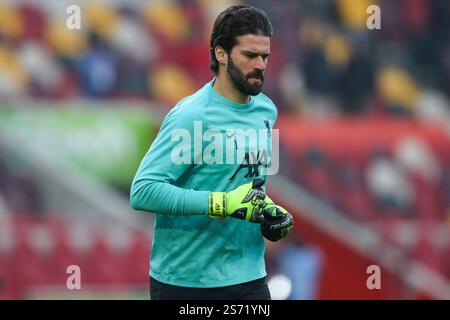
(260, 64)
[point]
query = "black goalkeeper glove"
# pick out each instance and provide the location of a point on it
(277, 223)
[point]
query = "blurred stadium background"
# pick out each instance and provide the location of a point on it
(364, 127)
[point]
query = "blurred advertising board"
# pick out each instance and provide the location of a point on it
(105, 142)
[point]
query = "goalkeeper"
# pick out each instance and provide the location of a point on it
(212, 215)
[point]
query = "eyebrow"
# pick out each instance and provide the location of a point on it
(252, 53)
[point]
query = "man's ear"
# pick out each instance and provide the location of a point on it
(221, 55)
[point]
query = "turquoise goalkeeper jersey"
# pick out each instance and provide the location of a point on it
(205, 143)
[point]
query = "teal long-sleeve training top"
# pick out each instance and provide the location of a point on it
(206, 143)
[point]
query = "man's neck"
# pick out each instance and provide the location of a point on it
(225, 87)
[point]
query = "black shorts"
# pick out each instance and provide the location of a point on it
(253, 290)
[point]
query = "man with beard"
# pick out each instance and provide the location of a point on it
(211, 208)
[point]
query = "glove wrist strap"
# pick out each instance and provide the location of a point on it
(217, 204)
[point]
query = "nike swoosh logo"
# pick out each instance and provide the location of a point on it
(231, 135)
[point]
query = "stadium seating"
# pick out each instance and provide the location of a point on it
(334, 169)
(37, 252)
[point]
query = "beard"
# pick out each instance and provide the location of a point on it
(241, 82)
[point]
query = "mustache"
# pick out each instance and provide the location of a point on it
(256, 74)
